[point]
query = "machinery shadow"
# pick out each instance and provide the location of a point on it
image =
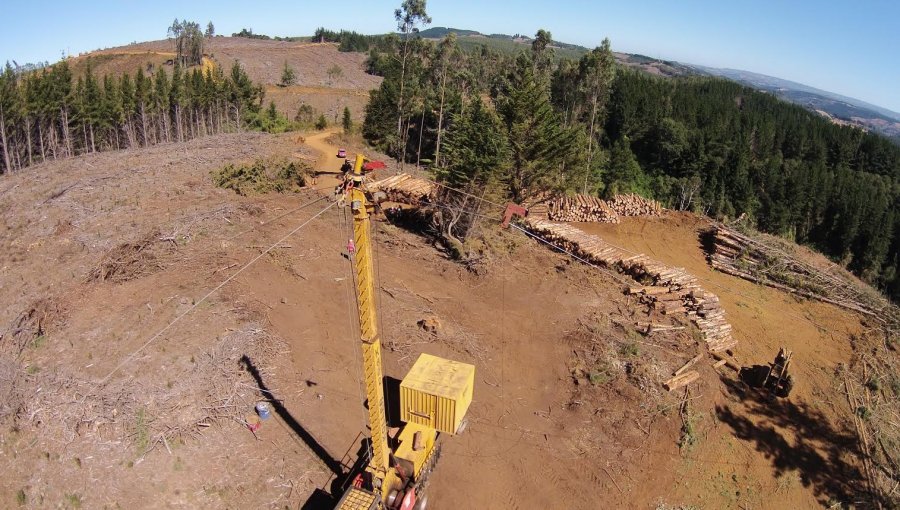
(330, 462)
(322, 500)
(795, 436)
(392, 401)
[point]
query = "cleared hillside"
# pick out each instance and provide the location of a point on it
(326, 78)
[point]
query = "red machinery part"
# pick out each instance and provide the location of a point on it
(513, 210)
(408, 501)
(373, 165)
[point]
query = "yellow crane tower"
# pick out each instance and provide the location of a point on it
(434, 395)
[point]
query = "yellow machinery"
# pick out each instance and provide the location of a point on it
(434, 395)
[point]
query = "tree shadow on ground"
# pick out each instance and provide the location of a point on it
(795, 436)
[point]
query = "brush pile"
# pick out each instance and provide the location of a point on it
(759, 260)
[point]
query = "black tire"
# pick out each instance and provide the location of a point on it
(787, 384)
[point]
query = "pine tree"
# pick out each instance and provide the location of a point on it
(321, 122)
(161, 102)
(34, 95)
(178, 99)
(625, 174)
(111, 113)
(381, 114)
(347, 121)
(9, 105)
(288, 76)
(142, 86)
(476, 150)
(538, 142)
(244, 96)
(90, 107)
(129, 109)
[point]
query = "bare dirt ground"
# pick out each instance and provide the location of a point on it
(99, 408)
(106, 250)
(801, 449)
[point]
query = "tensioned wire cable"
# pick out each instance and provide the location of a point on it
(153, 338)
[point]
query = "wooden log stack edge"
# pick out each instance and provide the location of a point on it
(591, 209)
(584, 208)
(635, 205)
(673, 291)
(404, 188)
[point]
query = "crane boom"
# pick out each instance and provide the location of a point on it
(434, 395)
(368, 325)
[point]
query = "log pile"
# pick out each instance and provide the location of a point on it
(635, 205)
(674, 291)
(539, 210)
(707, 313)
(404, 188)
(586, 208)
(581, 208)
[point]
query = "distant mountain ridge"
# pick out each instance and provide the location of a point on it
(468, 39)
(838, 108)
(771, 82)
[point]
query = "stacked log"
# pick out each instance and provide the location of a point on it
(541, 210)
(584, 208)
(404, 188)
(674, 290)
(635, 205)
(587, 208)
(709, 316)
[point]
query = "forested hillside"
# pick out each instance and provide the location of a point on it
(518, 126)
(715, 146)
(48, 114)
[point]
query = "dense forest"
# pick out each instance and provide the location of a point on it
(50, 114)
(347, 40)
(518, 126)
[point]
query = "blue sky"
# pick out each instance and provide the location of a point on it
(851, 48)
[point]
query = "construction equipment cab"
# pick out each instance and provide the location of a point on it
(434, 396)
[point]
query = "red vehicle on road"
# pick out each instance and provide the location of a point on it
(342, 153)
